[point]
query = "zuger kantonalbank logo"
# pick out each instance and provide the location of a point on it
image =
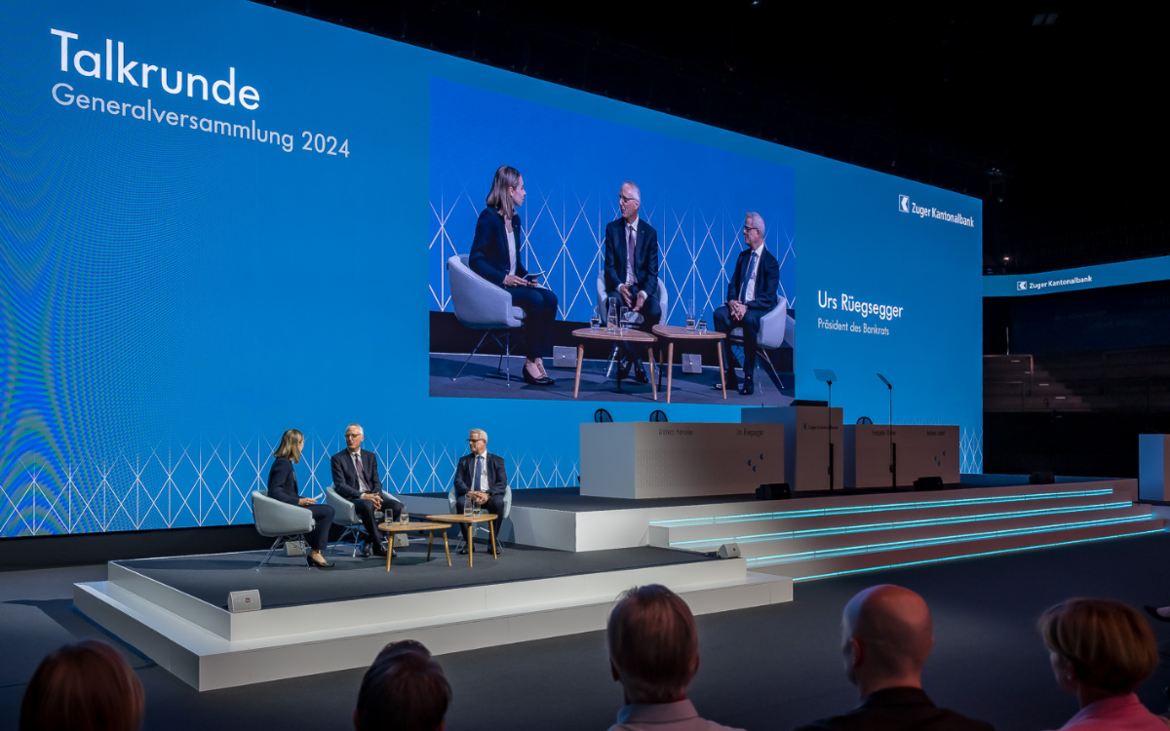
(1022, 286)
(905, 205)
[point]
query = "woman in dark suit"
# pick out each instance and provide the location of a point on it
(495, 257)
(282, 486)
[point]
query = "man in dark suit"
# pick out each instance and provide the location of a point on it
(355, 477)
(887, 634)
(751, 294)
(631, 271)
(480, 477)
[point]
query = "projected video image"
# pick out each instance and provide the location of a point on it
(570, 257)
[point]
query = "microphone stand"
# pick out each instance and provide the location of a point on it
(893, 447)
(828, 377)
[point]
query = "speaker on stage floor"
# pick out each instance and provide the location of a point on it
(729, 550)
(928, 483)
(1041, 477)
(243, 601)
(773, 491)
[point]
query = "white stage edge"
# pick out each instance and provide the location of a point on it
(209, 648)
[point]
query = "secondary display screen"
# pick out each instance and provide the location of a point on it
(219, 221)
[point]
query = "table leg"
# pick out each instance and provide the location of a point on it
(653, 382)
(446, 547)
(492, 535)
(722, 375)
(390, 551)
(429, 544)
(470, 548)
(580, 358)
(669, 369)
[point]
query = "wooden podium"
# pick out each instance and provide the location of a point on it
(924, 450)
(663, 459)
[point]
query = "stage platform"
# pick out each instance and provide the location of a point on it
(173, 610)
(576, 555)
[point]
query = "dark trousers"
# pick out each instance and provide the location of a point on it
(318, 538)
(751, 330)
(540, 311)
(494, 505)
(365, 513)
(651, 315)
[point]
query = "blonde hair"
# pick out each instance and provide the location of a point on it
(653, 642)
(500, 197)
(1109, 645)
(290, 445)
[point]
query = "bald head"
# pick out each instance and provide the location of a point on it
(888, 634)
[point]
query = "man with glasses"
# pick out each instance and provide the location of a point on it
(355, 477)
(480, 477)
(631, 272)
(751, 294)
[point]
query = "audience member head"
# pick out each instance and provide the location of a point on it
(1098, 647)
(886, 636)
(404, 690)
(291, 444)
(505, 185)
(84, 686)
(653, 645)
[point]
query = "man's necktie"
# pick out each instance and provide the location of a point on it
(747, 275)
(631, 244)
(357, 462)
(478, 473)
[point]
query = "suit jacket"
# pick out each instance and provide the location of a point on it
(282, 481)
(345, 479)
(465, 473)
(645, 257)
(489, 249)
(767, 280)
(898, 709)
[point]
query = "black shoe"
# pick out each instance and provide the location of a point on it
(640, 373)
(367, 549)
(623, 370)
(318, 564)
(732, 384)
(379, 550)
(1153, 612)
(393, 553)
(534, 381)
(463, 551)
(748, 388)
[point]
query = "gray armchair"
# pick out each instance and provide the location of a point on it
(452, 504)
(278, 520)
(345, 515)
(634, 317)
(776, 328)
(481, 305)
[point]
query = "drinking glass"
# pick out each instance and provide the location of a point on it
(690, 312)
(702, 323)
(405, 517)
(625, 319)
(595, 319)
(611, 324)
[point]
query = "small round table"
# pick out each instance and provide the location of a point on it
(469, 521)
(627, 336)
(393, 528)
(670, 333)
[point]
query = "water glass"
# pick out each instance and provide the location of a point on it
(702, 324)
(690, 312)
(405, 517)
(595, 320)
(612, 321)
(625, 319)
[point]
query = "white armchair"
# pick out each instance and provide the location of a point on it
(481, 305)
(634, 317)
(776, 328)
(278, 520)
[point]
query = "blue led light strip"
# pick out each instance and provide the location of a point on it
(918, 505)
(973, 555)
(871, 527)
(937, 541)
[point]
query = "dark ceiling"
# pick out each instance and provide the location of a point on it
(1050, 115)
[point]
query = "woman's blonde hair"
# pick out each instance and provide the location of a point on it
(1109, 645)
(290, 445)
(500, 197)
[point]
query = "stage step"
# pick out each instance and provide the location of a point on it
(208, 648)
(879, 531)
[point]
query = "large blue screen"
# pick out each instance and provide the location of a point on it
(219, 221)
